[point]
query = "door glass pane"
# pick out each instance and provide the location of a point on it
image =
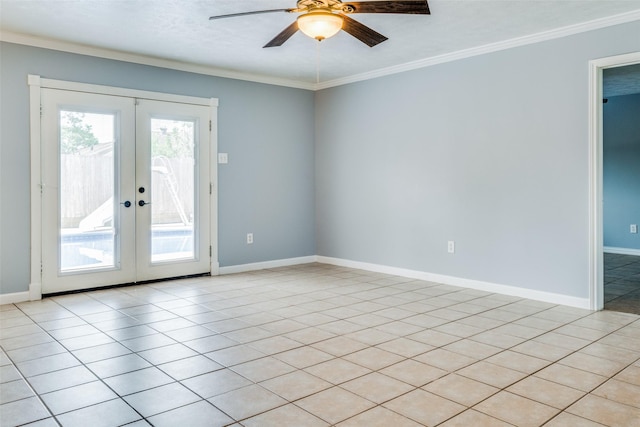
(87, 189)
(172, 190)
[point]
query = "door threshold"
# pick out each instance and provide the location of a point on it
(122, 285)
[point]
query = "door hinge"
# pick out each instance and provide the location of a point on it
(41, 110)
(210, 125)
(210, 251)
(210, 188)
(136, 101)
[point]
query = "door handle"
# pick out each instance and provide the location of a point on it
(142, 203)
(126, 204)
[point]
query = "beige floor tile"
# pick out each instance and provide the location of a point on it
(606, 412)
(405, 347)
(576, 378)
(631, 375)
(444, 359)
(247, 401)
(284, 416)
(621, 341)
(371, 336)
(491, 374)
(377, 387)
(378, 417)
(474, 349)
(460, 389)
(424, 407)
(296, 385)
(339, 346)
(235, 355)
(564, 419)
(274, 345)
(518, 361)
(310, 335)
(334, 405)
(596, 365)
(472, 418)
(547, 392)
(581, 332)
(303, 357)
(434, 338)
(516, 410)
(620, 391)
(563, 341)
(604, 351)
(337, 371)
(497, 340)
(373, 358)
(543, 351)
(459, 329)
(414, 373)
(400, 328)
(302, 330)
(262, 369)
(517, 330)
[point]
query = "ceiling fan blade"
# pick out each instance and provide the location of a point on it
(363, 33)
(283, 36)
(401, 6)
(255, 12)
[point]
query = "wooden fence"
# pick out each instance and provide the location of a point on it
(87, 182)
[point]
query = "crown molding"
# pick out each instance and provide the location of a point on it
(40, 42)
(257, 78)
(489, 48)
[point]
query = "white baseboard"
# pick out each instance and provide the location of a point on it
(14, 298)
(267, 264)
(621, 251)
(549, 297)
(464, 283)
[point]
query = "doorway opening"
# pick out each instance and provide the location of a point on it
(614, 246)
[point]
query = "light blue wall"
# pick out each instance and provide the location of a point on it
(490, 151)
(621, 167)
(267, 188)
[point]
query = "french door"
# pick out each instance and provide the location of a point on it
(125, 190)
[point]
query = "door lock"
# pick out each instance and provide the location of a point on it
(126, 204)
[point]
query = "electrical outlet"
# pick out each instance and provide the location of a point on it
(451, 246)
(633, 228)
(249, 238)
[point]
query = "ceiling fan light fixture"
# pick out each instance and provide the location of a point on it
(320, 24)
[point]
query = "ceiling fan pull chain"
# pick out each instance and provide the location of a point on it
(318, 62)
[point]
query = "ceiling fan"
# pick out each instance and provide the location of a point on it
(321, 19)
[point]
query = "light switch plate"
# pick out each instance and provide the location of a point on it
(223, 158)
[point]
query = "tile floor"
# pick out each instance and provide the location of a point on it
(314, 345)
(622, 283)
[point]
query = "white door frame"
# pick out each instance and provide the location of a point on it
(596, 262)
(36, 83)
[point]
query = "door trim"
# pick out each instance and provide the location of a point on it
(596, 238)
(36, 83)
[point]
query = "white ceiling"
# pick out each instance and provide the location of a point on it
(179, 30)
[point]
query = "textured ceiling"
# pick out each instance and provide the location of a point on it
(179, 30)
